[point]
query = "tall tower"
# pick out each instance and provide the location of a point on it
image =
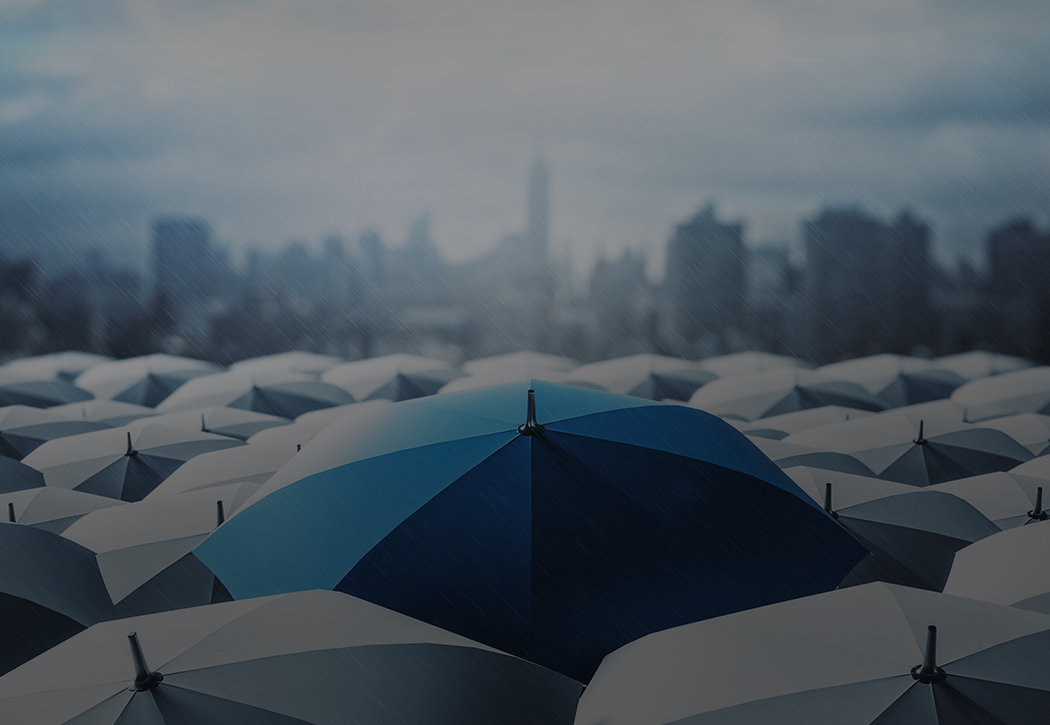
(537, 235)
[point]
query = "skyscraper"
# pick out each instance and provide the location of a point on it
(537, 233)
(181, 257)
(705, 277)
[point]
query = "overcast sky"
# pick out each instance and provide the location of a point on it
(293, 119)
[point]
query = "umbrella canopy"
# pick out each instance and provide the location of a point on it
(393, 377)
(653, 377)
(980, 364)
(145, 380)
(875, 654)
(51, 509)
(1006, 499)
(144, 550)
(60, 365)
(775, 392)
(556, 530)
(745, 363)
(125, 463)
(223, 421)
(41, 393)
(788, 455)
(522, 365)
(24, 429)
(312, 657)
(17, 476)
(292, 437)
(912, 536)
(252, 463)
(1007, 568)
(1024, 391)
(895, 379)
(470, 382)
(306, 363)
(111, 413)
(781, 426)
(899, 447)
(1031, 430)
(281, 394)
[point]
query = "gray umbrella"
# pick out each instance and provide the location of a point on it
(125, 463)
(878, 654)
(111, 413)
(778, 391)
(311, 657)
(223, 421)
(42, 394)
(392, 377)
(59, 365)
(54, 588)
(900, 447)
(17, 476)
(897, 380)
(779, 427)
(653, 377)
(24, 429)
(143, 380)
(49, 508)
(788, 455)
(1008, 568)
(280, 394)
(912, 537)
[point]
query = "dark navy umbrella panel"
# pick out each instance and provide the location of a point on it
(623, 517)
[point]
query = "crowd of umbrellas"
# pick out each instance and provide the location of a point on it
(524, 539)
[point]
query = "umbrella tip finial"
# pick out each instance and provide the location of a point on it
(11, 512)
(1037, 514)
(827, 501)
(921, 440)
(204, 426)
(530, 427)
(144, 679)
(298, 447)
(131, 449)
(220, 514)
(928, 672)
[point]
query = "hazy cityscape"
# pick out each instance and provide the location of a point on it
(868, 285)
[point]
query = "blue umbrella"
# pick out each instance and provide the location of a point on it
(598, 519)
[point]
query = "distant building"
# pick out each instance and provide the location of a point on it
(537, 232)
(1019, 288)
(181, 250)
(705, 283)
(867, 284)
(621, 304)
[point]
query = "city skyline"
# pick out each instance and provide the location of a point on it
(300, 120)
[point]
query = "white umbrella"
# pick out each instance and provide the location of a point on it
(1031, 430)
(781, 426)
(1024, 391)
(788, 455)
(137, 542)
(125, 463)
(223, 421)
(877, 654)
(393, 377)
(980, 364)
(282, 394)
(111, 413)
(306, 363)
(899, 447)
(745, 363)
(321, 658)
(61, 365)
(143, 380)
(250, 463)
(775, 392)
(292, 437)
(654, 377)
(895, 379)
(1006, 499)
(49, 508)
(23, 429)
(1008, 568)
(522, 365)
